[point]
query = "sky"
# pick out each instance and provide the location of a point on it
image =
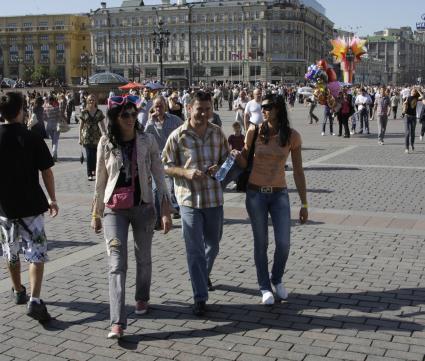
(360, 16)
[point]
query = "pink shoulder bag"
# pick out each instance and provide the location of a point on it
(123, 197)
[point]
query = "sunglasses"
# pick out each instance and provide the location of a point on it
(117, 101)
(267, 107)
(126, 115)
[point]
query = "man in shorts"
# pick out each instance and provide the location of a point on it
(23, 154)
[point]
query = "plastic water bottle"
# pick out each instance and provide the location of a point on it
(225, 168)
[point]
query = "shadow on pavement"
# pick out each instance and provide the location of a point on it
(290, 315)
(54, 244)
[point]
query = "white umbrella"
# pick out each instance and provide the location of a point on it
(305, 90)
(154, 86)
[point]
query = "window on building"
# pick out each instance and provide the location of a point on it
(44, 38)
(43, 25)
(27, 26)
(60, 52)
(11, 27)
(254, 70)
(236, 70)
(151, 72)
(44, 53)
(59, 24)
(217, 71)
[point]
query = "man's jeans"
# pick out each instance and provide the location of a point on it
(328, 116)
(54, 136)
(259, 205)
(202, 230)
(116, 223)
(409, 130)
(382, 126)
(364, 119)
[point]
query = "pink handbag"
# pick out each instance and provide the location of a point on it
(123, 198)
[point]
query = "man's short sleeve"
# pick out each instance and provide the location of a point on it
(43, 157)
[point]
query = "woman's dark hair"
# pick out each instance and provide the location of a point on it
(278, 102)
(11, 104)
(39, 102)
(114, 132)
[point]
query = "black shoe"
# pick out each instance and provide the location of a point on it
(346, 136)
(176, 216)
(339, 135)
(360, 132)
(198, 308)
(20, 298)
(210, 285)
(38, 311)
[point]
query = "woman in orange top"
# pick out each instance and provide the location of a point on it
(267, 192)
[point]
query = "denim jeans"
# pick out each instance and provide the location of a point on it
(116, 224)
(54, 136)
(259, 206)
(364, 119)
(91, 152)
(202, 230)
(382, 126)
(328, 116)
(409, 130)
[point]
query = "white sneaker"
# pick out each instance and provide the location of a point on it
(281, 292)
(406, 151)
(333, 134)
(352, 132)
(268, 298)
(421, 137)
(323, 133)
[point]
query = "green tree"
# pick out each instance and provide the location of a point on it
(40, 73)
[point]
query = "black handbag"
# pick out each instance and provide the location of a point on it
(242, 182)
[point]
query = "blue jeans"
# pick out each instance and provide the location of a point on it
(409, 130)
(364, 119)
(259, 206)
(202, 230)
(54, 136)
(116, 224)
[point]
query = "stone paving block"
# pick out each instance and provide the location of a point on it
(347, 355)
(310, 350)
(287, 355)
(160, 352)
(132, 356)
(75, 355)
(225, 354)
(405, 355)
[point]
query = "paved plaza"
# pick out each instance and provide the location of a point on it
(355, 273)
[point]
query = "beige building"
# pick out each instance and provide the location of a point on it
(212, 40)
(403, 54)
(53, 41)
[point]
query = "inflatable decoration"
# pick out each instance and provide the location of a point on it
(348, 52)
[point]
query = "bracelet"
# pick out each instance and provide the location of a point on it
(305, 205)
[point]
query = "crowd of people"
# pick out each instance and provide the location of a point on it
(154, 157)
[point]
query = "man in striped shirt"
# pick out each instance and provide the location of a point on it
(192, 155)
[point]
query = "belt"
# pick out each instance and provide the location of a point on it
(265, 189)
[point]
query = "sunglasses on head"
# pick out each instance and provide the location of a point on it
(117, 101)
(126, 115)
(267, 107)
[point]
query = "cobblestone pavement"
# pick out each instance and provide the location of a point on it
(355, 273)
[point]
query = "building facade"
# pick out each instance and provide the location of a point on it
(55, 42)
(211, 40)
(403, 54)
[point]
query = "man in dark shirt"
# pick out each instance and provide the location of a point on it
(23, 154)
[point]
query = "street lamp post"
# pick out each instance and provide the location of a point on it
(85, 62)
(160, 40)
(18, 60)
(350, 60)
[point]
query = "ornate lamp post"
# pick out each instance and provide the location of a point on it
(160, 40)
(18, 60)
(85, 63)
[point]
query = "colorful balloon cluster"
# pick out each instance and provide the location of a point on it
(327, 87)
